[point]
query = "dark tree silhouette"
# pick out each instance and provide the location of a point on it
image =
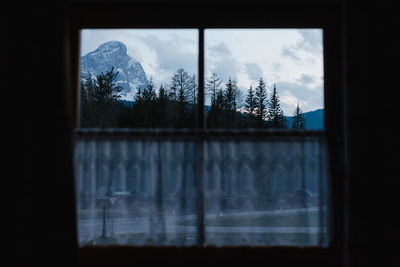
(261, 104)
(101, 105)
(299, 121)
(275, 116)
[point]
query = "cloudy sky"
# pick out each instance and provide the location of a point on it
(290, 58)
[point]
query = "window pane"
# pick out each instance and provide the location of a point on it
(138, 78)
(133, 191)
(270, 192)
(264, 78)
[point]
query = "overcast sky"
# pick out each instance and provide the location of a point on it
(290, 58)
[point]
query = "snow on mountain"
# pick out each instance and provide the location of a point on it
(131, 75)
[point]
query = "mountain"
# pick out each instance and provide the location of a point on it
(314, 119)
(114, 54)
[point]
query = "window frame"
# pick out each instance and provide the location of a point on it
(302, 15)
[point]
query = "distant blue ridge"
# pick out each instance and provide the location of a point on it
(314, 119)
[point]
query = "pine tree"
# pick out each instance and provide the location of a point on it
(149, 93)
(261, 103)
(229, 105)
(275, 116)
(149, 103)
(162, 108)
(181, 88)
(230, 96)
(215, 115)
(102, 96)
(250, 103)
(299, 121)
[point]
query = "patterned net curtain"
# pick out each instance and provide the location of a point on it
(137, 191)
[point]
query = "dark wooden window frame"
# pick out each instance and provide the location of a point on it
(233, 15)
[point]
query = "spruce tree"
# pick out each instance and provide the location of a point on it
(229, 104)
(179, 93)
(162, 108)
(230, 96)
(215, 115)
(275, 116)
(250, 102)
(149, 93)
(261, 103)
(149, 98)
(299, 122)
(103, 95)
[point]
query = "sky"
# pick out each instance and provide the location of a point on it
(292, 59)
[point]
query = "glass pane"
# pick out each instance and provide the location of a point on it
(134, 191)
(267, 193)
(138, 78)
(264, 78)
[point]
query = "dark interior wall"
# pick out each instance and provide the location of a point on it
(44, 217)
(46, 211)
(371, 54)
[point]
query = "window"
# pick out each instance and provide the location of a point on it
(208, 143)
(143, 187)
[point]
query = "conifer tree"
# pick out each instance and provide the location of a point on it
(261, 103)
(275, 116)
(162, 108)
(230, 96)
(149, 93)
(215, 115)
(250, 103)
(299, 121)
(229, 105)
(102, 96)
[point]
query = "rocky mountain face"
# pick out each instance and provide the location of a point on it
(131, 75)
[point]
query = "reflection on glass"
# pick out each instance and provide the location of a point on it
(138, 78)
(264, 78)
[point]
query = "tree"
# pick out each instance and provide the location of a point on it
(250, 102)
(215, 115)
(230, 96)
(102, 96)
(229, 105)
(193, 90)
(181, 88)
(162, 108)
(299, 121)
(105, 90)
(261, 103)
(275, 116)
(213, 86)
(149, 98)
(149, 93)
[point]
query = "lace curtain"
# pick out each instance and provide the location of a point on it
(145, 191)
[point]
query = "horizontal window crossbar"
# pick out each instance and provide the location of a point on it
(203, 133)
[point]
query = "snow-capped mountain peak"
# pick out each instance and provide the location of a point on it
(131, 75)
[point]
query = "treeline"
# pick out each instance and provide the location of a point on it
(176, 106)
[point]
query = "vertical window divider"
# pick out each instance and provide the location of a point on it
(200, 142)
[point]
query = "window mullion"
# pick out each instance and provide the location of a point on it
(200, 144)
